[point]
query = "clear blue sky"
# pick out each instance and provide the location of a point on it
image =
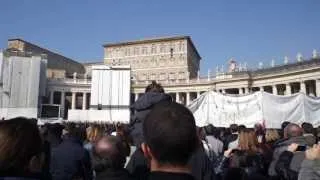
(250, 31)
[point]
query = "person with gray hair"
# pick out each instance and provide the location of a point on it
(293, 133)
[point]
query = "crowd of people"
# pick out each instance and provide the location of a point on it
(162, 141)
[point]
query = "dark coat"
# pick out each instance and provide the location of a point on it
(138, 165)
(69, 160)
(282, 146)
(141, 108)
(17, 178)
(283, 167)
(169, 176)
(201, 166)
(112, 174)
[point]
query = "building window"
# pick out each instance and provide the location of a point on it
(144, 50)
(136, 51)
(127, 52)
(162, 48)
(153, 49)
(171, 52)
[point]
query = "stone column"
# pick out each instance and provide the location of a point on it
(73, 102)
(188, 98)
(198, 94)
(288, 89)
(261, 89)
(274, 90)
(62, 104)
(74, 77)
(317, 87)
(303, 87)
(178, 97)
(223, 91)
(136, 96)
(240, 90)
(246, 90)
(51, 97)
(84, 101)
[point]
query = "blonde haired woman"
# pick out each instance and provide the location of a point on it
(94, 133)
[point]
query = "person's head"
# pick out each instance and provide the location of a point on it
(242, 128)
(272, 135)
(209, 129)
(94, 133)
(284, 125)
(259, 129)
(75, 131)
(234, 128)
(248, 141)
(292, 130)
(154, 87)
(170, 135)
(55, 130)
(112, 152)
(212, 131)
(307, 128)
(21, 147)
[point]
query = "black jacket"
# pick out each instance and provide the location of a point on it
(138, 165)
(169, 176)
(201, 166)
(283, 167)
(112, 174)
(70, 160)
(282, 146)
(17, 178)
(141, 108)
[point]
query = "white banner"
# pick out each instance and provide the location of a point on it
(260, 107)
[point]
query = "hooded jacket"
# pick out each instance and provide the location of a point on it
(282, 146)
(141, 108)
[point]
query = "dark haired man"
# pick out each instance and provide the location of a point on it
(170, 141)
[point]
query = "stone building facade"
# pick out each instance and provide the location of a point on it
(177, 71)
(58, 66)
(161, 59)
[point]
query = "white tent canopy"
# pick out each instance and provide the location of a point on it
(259, 107)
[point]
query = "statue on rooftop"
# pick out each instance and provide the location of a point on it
(244, 66)
(314, 54)
(217, 70)
(232, 65)
(286, 60)
(299, 57)
(272, 62)
(240, 67)
(222, 69)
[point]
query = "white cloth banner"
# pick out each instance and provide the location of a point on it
(260, 107)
